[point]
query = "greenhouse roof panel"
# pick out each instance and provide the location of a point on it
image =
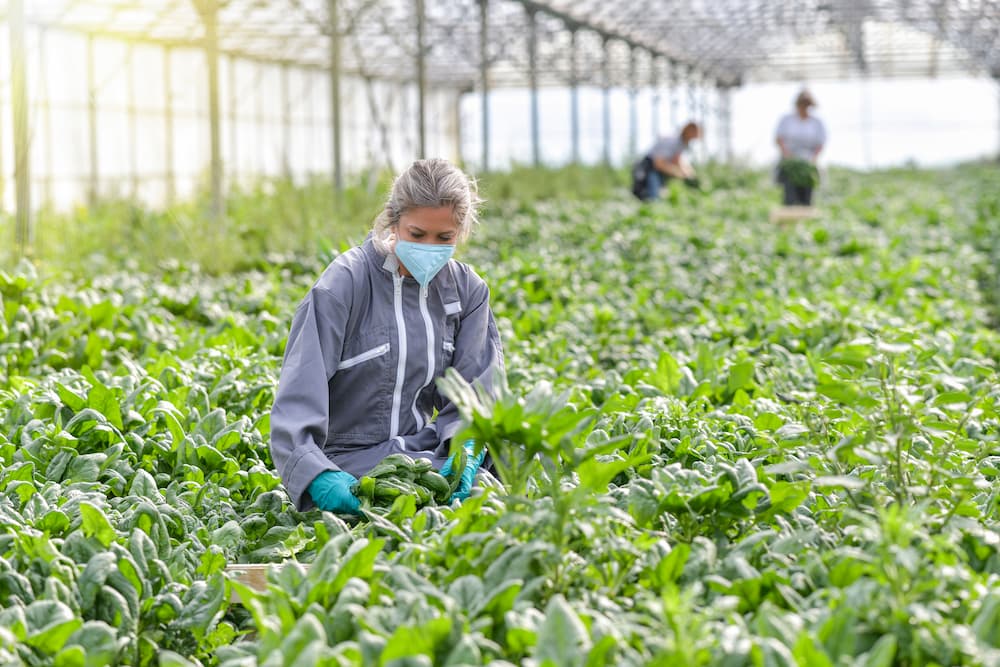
(725, 41)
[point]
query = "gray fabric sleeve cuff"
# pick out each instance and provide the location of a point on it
(301, 474)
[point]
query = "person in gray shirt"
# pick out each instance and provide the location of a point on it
(665, 161)
(800, 137)
(383, 321)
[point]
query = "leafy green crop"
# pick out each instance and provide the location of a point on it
(398, 478)
(719, 443)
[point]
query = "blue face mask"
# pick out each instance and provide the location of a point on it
(424, 260)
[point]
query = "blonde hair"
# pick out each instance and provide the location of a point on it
(430, 183)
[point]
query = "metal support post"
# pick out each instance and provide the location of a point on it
(133, 123)
(22, 154)
(3, 182)
(93, 190)
(996, 80)
(484, 78)
(260, 119)
(536, 154)
(674, 96)
(286, 121)
(706, 118)
(692, 107)
(606, 99)
(421, 82)
(654, 84)
(700, 99)
(234, 103)
(210, 17)
(866, 119)
(337, 146)
(46, 104)
(730, 153)
(314, 168)
(168, 136)
(456, 126)
(633, 97)
(574, 100)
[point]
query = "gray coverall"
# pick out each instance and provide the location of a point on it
(365, 346)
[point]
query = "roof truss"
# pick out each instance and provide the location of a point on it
(721, 41)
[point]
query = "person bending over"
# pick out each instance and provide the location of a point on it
(383, 321)
(665, 160)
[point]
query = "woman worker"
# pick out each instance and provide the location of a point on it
(800, 137)
(665, 160)
(383, 321)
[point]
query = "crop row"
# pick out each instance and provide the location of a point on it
(721, 443)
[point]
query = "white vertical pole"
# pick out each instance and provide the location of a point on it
(210, 16)
(536, 150)
(22, 153)
(421, 81)
(484, 79)
(606, 99)
(336, 145)
(574, 99)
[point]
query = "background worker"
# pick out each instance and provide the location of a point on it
(383, 321)
(800, 137)
(665, 160)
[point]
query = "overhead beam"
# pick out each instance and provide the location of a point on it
(575, 23)
(718, 56)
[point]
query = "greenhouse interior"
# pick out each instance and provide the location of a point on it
(506, 332)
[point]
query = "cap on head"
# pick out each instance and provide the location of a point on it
(805, 99)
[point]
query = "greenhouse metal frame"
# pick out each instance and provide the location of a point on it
(474, 46)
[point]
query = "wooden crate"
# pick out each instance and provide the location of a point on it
(794, 213)
(252, 576)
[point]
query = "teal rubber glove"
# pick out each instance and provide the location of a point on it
(472, 463)
(331, 491)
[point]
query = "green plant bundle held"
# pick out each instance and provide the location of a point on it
(400, 475)
(800, 173)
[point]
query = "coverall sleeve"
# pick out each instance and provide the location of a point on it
(300, 414)
(478, 354)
